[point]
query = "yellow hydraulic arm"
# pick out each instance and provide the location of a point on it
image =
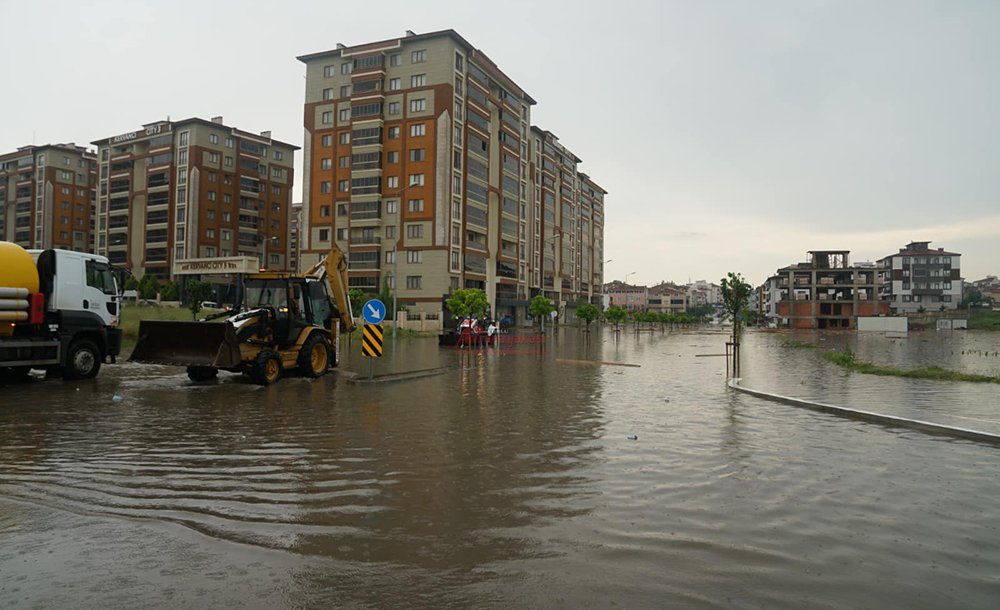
(333, 268)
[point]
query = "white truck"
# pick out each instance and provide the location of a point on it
(59, 312)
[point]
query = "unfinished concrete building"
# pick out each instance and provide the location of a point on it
(825, 292)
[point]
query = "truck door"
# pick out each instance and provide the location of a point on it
(100, 294)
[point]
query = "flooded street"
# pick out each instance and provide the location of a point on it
(510, 479)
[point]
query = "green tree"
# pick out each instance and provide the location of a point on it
(616, 314)
(588, 312)
(148, 287)
(467, 302)
(358, 298)
(700, 311)
(196, 293)
(540, 307)
(170, 291)
(736, 294)
(131, 283)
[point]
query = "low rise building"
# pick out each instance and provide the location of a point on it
(632, 298)
(918, 278)
(667, 297)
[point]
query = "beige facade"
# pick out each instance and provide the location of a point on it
(193, 189)
(418, 165)
(47, 197)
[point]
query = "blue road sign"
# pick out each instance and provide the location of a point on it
(373, 311)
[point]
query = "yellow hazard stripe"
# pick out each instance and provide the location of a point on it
(371, 340)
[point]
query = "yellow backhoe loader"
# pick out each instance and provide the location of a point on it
(285, 322)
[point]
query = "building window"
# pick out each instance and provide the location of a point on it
(415, 205)
(414, 256)
(328, 93)
(278, 155)
(326, 163)
(392, 156)
(417, 154)
(229, 142)
(417, 130)
(210, 233)
(395, 84)
(345, 138)
(345, 68)
(342, 234)
(228, 162)
(418, 105)
(415, 230)
(326, 141)
(418, 80)
(345, 91)
(211, 195)
(327, 117)
(393, 133)
(345, 115)
(184, 138)
(329, 71)
(395, 59)
(416, 179)
(227, 198)
(459, 62)
(390, 257)
(414, 282)
(324, 211)
(392, 182)
(344, 161)
(393, 108)
(390, 232)
(324, 187)
(182, 157)
(324, 235)
(343, 186)
(417, 57)
(390, 206)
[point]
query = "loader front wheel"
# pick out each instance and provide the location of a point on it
(267, 368)
(314, 357)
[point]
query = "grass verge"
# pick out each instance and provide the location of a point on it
(847, 360)
(133, 314)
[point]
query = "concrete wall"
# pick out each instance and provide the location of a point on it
(883, 324)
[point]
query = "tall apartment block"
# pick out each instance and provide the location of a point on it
(918, 278)
(173, 193)
(47, 195)
(422, 165)
(825, 292)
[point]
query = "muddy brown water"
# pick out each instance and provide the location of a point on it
(508, 480)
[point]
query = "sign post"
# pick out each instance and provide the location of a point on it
(373, 312)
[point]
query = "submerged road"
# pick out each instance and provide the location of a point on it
(528, 476)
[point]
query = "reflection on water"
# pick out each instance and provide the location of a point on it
(509, 480)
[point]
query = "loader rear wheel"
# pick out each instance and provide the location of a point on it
(314, 357)
(202, 373)
(267, 368)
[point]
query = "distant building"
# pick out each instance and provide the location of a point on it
(294, 236)
(173, 191)
(704, 293)
(632, 298)
(47, 196)
(824, 293)
(918, 278)
(667, 298)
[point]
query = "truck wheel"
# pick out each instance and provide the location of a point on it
(314, 357)
(83, 360)
(202, 373)
(267, 368)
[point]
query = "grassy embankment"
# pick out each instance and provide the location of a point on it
(985, 320)
(847, 360)
(133, 314)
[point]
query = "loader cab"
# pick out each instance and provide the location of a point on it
(297, 303)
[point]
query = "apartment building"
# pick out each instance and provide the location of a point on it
(919, 278)
(703, 292)
(193, 194)
(294, 236)
(47, 195)
(826, 292)
(420, 161)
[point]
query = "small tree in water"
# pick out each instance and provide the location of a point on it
(539, 307)
(736, 301)
(588, 312)
(616, 315)
(467, 302)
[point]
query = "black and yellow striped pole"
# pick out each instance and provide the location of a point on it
(371, 345)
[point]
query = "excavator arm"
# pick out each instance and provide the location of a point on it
(333, 268)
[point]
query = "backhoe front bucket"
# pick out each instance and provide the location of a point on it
(186, 344)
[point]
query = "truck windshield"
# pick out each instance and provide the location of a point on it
(99, 276)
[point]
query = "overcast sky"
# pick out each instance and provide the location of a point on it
(731, 136)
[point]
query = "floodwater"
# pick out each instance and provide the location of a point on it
(522, 476)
